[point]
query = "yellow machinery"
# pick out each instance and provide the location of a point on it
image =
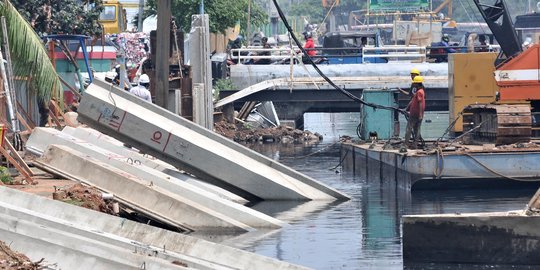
(470, 81)
(113, 17)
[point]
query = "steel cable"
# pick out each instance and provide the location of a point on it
(310, 61)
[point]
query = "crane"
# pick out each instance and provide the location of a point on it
(513, 117)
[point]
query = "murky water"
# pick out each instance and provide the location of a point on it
(363, 233)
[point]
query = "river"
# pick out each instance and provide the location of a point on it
(363, 233)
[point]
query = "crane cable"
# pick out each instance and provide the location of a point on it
(310, 61)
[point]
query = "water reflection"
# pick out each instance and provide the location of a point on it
(363, 233)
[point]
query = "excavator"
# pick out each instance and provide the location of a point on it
(514, 116)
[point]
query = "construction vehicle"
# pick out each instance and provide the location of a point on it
(113, 17)
(514, 117)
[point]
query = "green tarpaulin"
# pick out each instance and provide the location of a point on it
(395, 5)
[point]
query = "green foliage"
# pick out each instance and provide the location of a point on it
(224, 84)
(223, 13)
(5, 176)
(315, 12)
(62, 16)
(30, 59)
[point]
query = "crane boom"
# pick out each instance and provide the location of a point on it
(499, 21)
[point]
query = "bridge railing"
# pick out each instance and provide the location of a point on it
(387, 52)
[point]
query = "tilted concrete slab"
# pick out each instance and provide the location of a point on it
(148, 198)
(106, 142)
(41, 138)
(195, 149)
(72, 246)
(197, 253)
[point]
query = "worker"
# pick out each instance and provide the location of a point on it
(484, 46)
(141, 90)
(416, 113)
(441, 49)
(264, 61)
(412, 90)
(310, 45)
(236, 44)
(43, 109)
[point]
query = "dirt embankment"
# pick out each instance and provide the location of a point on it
(12, 260)
(240, 133)
(87, 197)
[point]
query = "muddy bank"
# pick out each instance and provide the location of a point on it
(243, 133)
(12, 260)
(87, 197)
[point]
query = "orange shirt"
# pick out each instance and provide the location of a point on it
(310, 45)
(414, 109)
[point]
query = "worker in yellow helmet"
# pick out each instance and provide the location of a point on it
(414, 72)
(415, 108)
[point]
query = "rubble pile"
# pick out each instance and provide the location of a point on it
(241, 133)
(10, 259)
(87, 197)
(134, 46)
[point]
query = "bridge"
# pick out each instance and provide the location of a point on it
(294, 97)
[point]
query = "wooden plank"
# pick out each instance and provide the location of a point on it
(71, 88)
(23, 121)
(17, 157)
(66, 119)
(28, 117)
(17, 165)
(55, 120)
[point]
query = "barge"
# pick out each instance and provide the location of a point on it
(445, 165)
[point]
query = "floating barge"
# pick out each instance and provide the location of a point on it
(460, 166)
(507, 239)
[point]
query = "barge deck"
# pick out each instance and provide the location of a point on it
(460, 166)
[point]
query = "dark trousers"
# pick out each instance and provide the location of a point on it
(413, 130)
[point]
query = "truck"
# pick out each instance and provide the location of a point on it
(113, 17)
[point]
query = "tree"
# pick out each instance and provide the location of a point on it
(316, 13)
(62, 16)
(223, 13)
(28, 54)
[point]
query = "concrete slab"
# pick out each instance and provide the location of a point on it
(41, 138)
(106, 142)
(186, 245)
(72, 246)
(503, 238)
(195, 149)
(145, 197)
(389, 75)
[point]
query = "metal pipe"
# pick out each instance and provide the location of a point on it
(7, 76)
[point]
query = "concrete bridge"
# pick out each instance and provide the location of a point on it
(293, 98)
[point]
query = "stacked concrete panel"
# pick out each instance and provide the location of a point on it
(79, 238)
(189, 194)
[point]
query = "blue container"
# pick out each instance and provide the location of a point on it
(384, 123)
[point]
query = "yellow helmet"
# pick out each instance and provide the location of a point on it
(418, 79)
(415, 71)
